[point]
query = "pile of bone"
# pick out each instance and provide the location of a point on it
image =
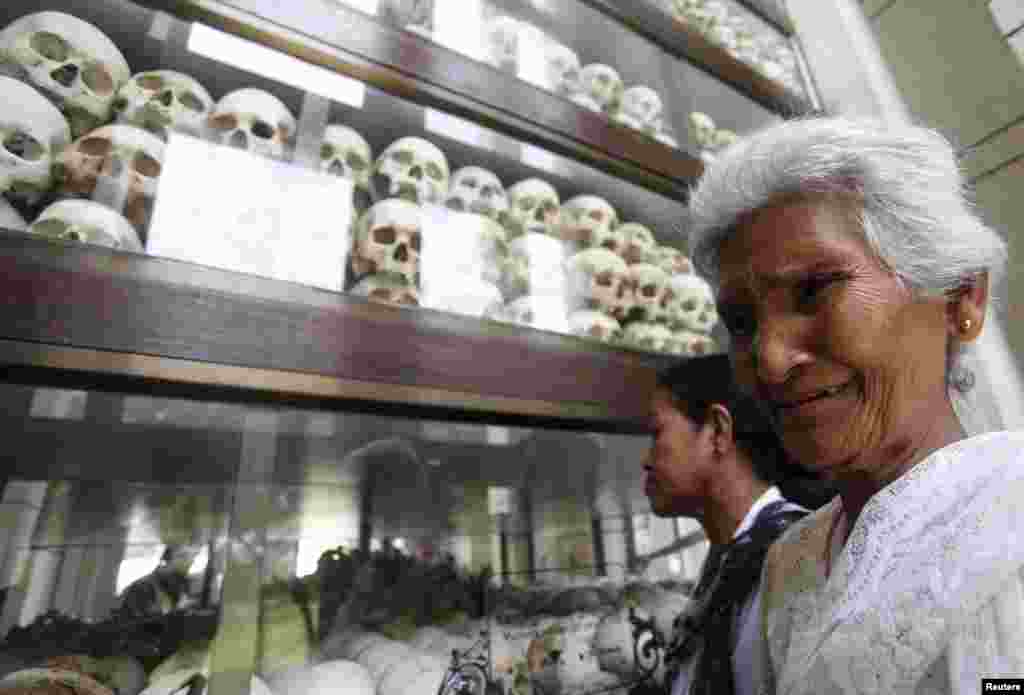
(731, 27)
(392, 667)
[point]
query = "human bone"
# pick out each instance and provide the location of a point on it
(702, 129)
(653, 292)
(10, 219)
(594, 325)
(162, 101)
(588, 102)
(562, 69)
(598, 279)
(672, 261)
(689, 344)
(128, 157)
(87, 222)
(414, 169)
(692, 305)
(347, 676)
(532, 311)
(387, 288)
(477, 190)
(501, 39)
(534, 265)
(642, 103)
(70, 61)
(603, 84)
(533, 207)
(587, 219)
(32, 133)
(252, 120)
(387, 240)
(346, 153)
(638, 243)
(651, 337)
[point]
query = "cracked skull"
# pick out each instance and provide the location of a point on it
(693, 304)
(415, 170)
(162, 101)
(387, 288)
(603, 84)
(690, 344)
(653, 294)
(125, 157)
(344, 152)
(598, 279)
(388, 238)
(590, 220)
(32, 132)
(642, 103)
(474, 189)
(252, 120)
(594, 325)
(70, 61)
(533, 208)
(86, 222)
(638, 243)
(650, 337)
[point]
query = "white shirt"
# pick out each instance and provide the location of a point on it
(747, 652)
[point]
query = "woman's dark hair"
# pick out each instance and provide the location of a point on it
(698, 383)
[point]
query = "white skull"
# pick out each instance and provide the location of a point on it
(128, 157)
(415, 170)
(87, 222)
(563, 69)
(650, 337)
(672, 261)
(693, 304)
(642, 103)
(387, 288)
(586, 101)
(70, 61)
(653, 293)
(689, 344)
(10, 219)
(477, 190)
(533, 208)
(344, 152)
(501, 37)
(598, 279)
(252, 120)
(534, 265)
(32, 132)
(702, 129)
(162, 101)
(532, 311)
(638, 243)
(594, 325)
(603, 84)
(387, 240)
(588, 219)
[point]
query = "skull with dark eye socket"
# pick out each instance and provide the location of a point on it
(252, 120)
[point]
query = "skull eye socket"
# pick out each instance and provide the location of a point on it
(262, 129)
(24, 146)
(385, 235)
(119, 104)
(146, 166)
(456, 204)
(434, 171)
(151, 83)
(326, 151)
(649, 290)
(191, 102)
(611, 245)
(52, 228)
(224, 122)
(700, 347)
(356, 162)
(403, 157)
(690, 305)
(469, 182)
(98, 79)
(381, 295)
(604, 279)
(596, 215)
(414, 241)
(95, 147)
(407, 299)
(50, 46)
(526, 203)
(597, 331)
(548, 207)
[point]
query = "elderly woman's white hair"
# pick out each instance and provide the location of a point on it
(913, 209)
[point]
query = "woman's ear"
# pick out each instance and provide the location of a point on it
(723, 429)
(965, 311)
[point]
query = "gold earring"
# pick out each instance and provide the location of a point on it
(965, 325)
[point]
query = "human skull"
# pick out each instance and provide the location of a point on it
(387, 240)
(415, 170)
(533, 208)
(70, 61)
(672, 261)
(650, 337)
(87, 222)
(474, 189)
(586, 101)
(638, 243)
(588, 219)
(603, 84)
(692, 305)
(534, 265)
(162, 101)
(653, 293)
(598, 280)
(387, 288)
(10, 219)
(534, 312)
(32, 132)
(642, 103)
(129, 157)
(344, 152)
(562, 68)
(689, 344)
(702, 129)
(501, 38)
(252, 120)
(594, 325)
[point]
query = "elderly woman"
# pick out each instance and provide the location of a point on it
(852, 276)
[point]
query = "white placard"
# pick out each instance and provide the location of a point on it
(499, 500)
(226, 208)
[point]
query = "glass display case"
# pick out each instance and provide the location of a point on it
(328, 334)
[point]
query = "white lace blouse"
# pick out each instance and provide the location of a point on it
(927, 594)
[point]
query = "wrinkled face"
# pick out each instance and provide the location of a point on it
(162, 101)
(590, 220)
(345, 153)
(414, 170)
(533, 208)
(478, 191)
(388, 240)
(852, 365)
(678, 462)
